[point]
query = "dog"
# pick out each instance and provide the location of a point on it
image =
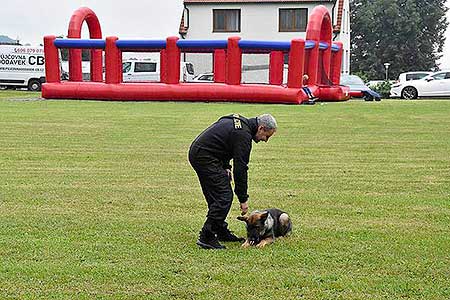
(264, 226)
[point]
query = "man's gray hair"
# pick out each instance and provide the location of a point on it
(268, 121)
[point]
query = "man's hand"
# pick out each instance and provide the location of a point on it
(230, 174)
(244, 208)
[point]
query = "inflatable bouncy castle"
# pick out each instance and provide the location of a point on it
(316, 56)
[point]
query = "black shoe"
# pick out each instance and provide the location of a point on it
(208, 240)
(228, 236)
(213, 244)
(309, 102)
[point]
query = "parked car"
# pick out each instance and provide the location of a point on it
(358, 89)
(135, 70)
(204, 77)
(436, 84)
(412, 76)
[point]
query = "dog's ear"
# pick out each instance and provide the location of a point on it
(264, 215)
(243, 218)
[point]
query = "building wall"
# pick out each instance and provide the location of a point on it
(344, 36)
(258, 22)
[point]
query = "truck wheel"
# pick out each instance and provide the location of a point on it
(34, 85)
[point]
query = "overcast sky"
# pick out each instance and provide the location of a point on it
(30, 20)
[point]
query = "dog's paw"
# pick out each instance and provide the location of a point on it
(262, 244)
(245, 245)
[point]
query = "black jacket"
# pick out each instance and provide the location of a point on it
(231, 138)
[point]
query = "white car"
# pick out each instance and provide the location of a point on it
(436, 84)
(204, 77)
(141, 70)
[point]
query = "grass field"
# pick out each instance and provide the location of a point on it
(97, 201)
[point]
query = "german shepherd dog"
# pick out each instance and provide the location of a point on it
(264, 226)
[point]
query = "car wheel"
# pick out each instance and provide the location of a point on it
(377, 99)
(409, 93)
(34, 85)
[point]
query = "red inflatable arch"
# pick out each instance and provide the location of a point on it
(319, 30)
(76, 22)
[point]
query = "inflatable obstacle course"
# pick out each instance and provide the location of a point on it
(316, 56)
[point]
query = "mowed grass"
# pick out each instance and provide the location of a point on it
(98, 201)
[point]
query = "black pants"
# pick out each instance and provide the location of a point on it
(214, 181)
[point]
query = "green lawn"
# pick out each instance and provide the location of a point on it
(98, 201)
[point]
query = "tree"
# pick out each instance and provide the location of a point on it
(408, 34)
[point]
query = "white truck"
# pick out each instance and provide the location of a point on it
(148, 70)
(22, 66)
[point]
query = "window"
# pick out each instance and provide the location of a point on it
(415, 76)
(144, 67)
(293, 19)
(226, 20)
(190, 68)
(208, 77)
(126, 67)
(439, 76)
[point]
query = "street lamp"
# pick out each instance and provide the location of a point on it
(386, 66)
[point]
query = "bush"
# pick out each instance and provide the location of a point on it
(383, 88)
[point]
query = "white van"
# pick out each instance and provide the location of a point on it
(85, 70)
(22, 66)
(148, 70)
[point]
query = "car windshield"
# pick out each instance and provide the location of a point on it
(434, 76)
(351, 80)
(438, 76)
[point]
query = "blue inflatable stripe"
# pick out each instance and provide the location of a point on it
(193, 45)
(310, 44)
(335, 47)
(141, 44)
(202, 44)
(323, 46)
(264, 45)
(80, 43)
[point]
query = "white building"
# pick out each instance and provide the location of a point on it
(273, 20)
